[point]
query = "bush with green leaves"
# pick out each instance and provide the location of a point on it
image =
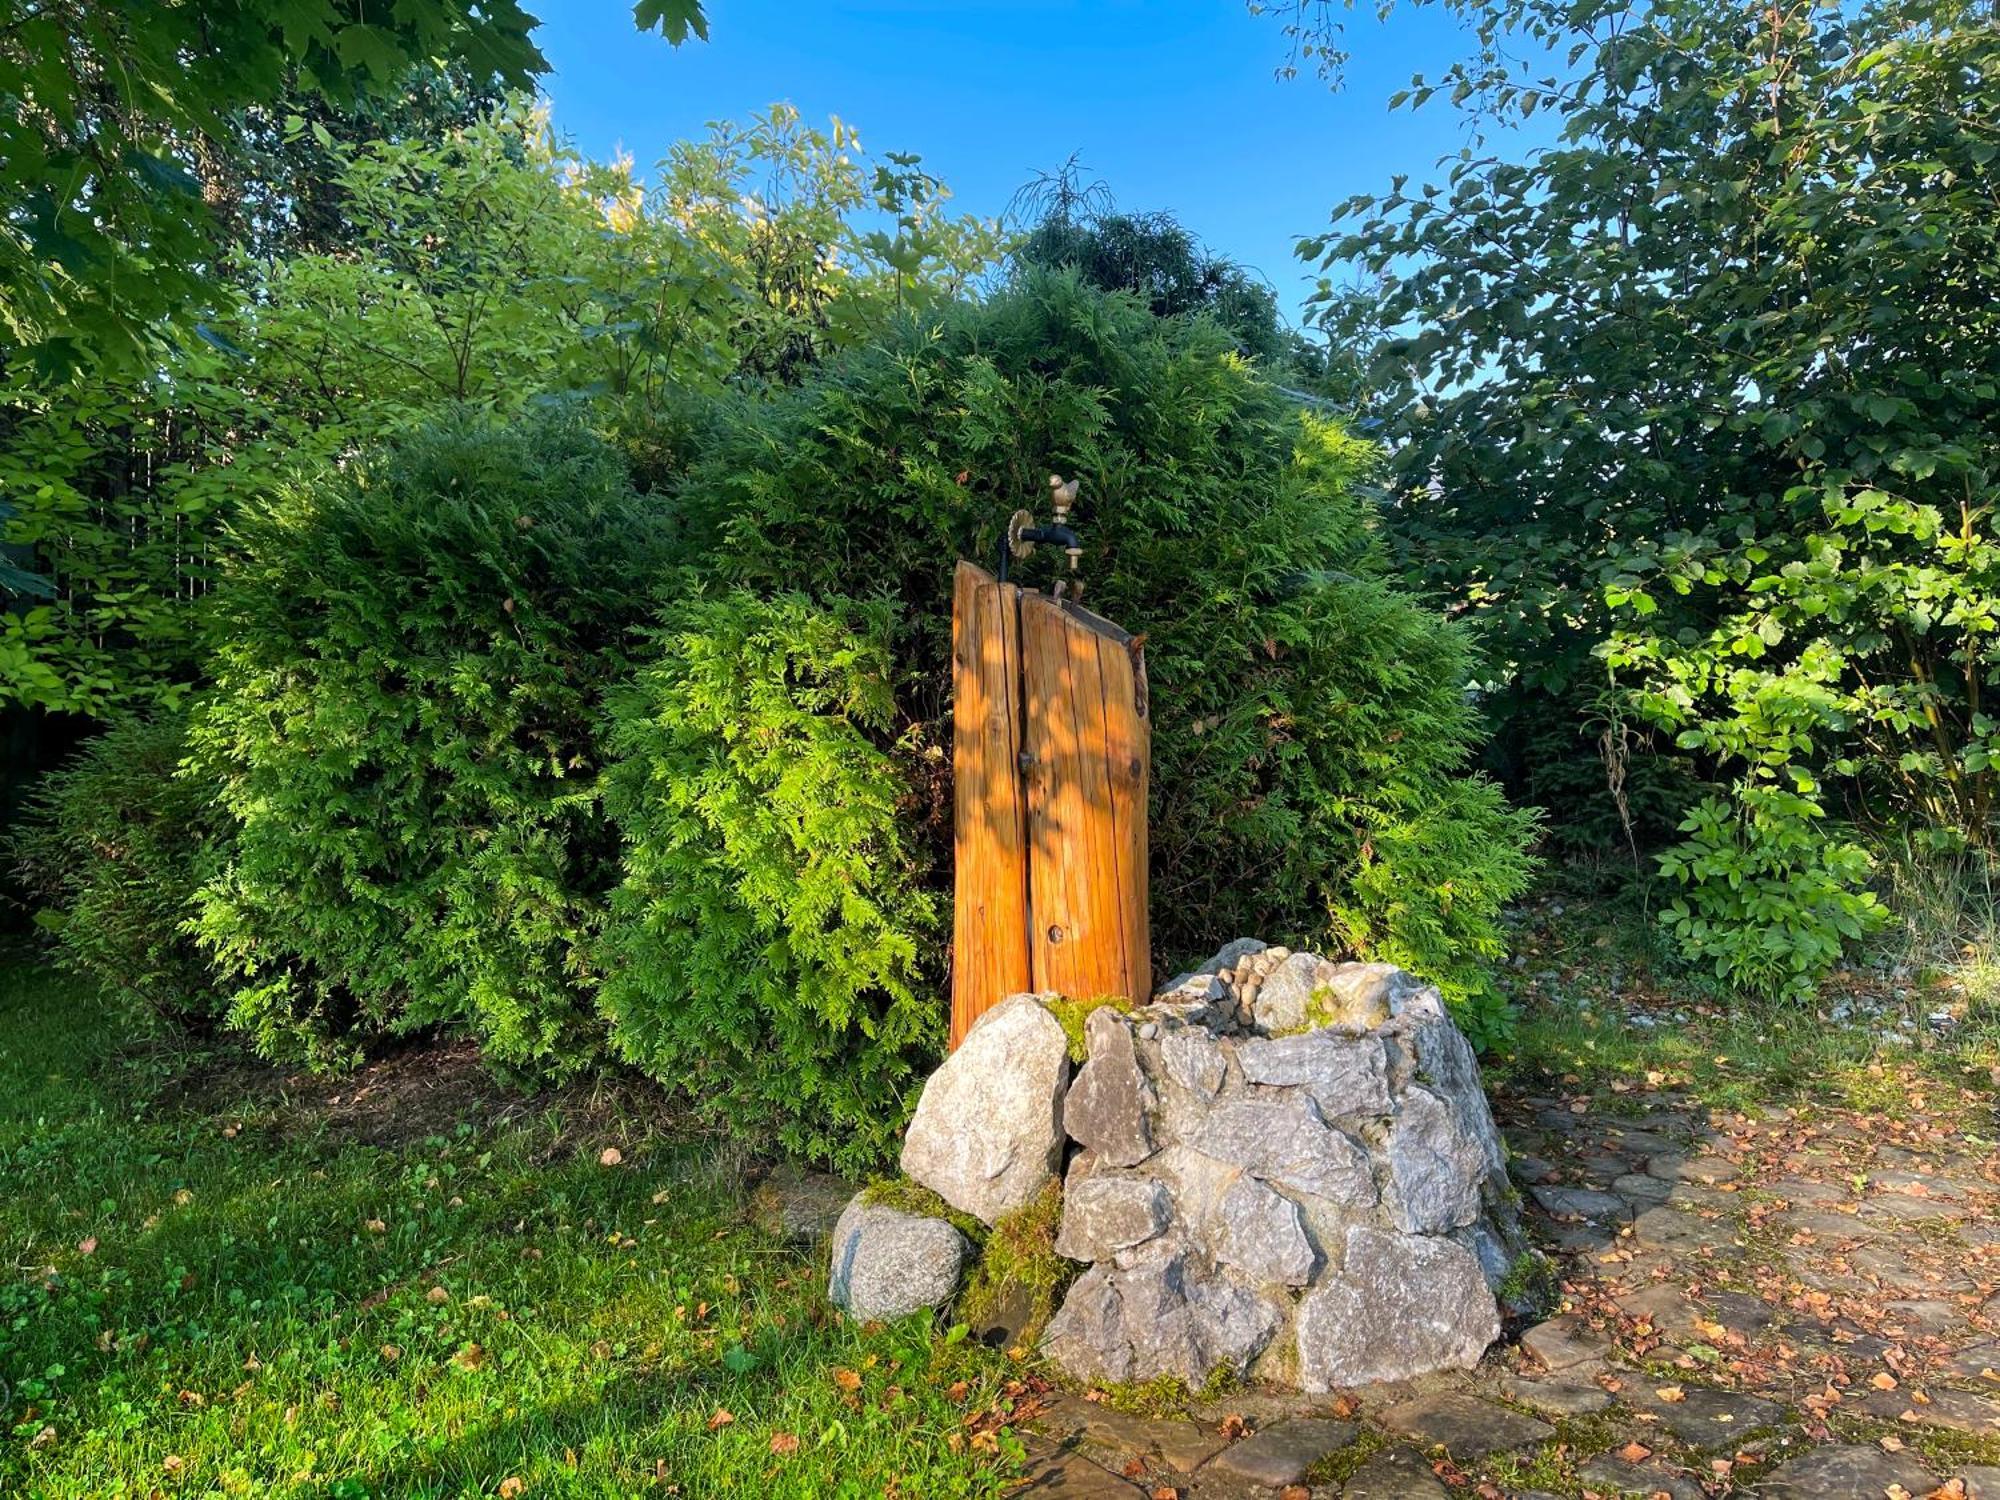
(404, 730)
(770, 947)
(1311, 728)
(111, 850)
(1770, 899)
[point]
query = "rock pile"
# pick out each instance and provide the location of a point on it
(1281, 1166)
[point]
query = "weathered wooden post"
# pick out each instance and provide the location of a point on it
(1051, 752)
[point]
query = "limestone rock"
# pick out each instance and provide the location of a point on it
(888, 1264)
(1436, 1165)
(1259, 1232)
(1159, 1316)
(1358, 997)
(1194, 1059)
(1342, 1075)
(1105, 1214)
(987, 1134)
(1402, 1305)
(1107, 1105)
(1284, 1141)
(1284, 999)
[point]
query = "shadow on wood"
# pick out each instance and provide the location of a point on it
(1051, 756)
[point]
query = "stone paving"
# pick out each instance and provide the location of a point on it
(1802, 1304)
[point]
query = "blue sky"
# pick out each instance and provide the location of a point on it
(1174, 103)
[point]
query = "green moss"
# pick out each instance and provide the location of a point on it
(1339, 1466)
(1020, 1256)
(1531, 1284)
(909, 1197)
(1071, 1014)
(1162, 1396)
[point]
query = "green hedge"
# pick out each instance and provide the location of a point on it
(781, 938)
(111, 850)
(773, 944)
(404, 729)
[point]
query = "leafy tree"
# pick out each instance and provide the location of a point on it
(1706, 392)
(491, 266)
(103, 228)
(1152, 256)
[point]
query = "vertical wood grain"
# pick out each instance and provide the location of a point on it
(990, 959)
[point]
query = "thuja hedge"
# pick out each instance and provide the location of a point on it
(498, 742)
(403, 730)
(1310, 722)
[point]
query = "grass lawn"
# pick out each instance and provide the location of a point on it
(212, 1283)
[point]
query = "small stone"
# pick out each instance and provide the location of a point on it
(1107, 1212)
(1281, 1453)
(1194, 1060)
(1582, 1203)
(1401, 1306)
(1648, 1477)
(1259, 1232)
(1285, 1141)
(987, 1133)
(1956, 1411)
(795, 1204)
(1675, 1229)
(1107, 1105)
(1344, 1075)
(1573, 1392)
(1393, 1474)
(1464, 1426)
(1284, 1003)
(1230, 954)
(1708, 1418)
(1642, 1187)
(1561, 1342)
(1356, 997)
(1846, 1472)
(889, 1264)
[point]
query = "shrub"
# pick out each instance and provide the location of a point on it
(1310, 724)
(766, 947)
(1770, 899)
(404, 728)
(111, 852)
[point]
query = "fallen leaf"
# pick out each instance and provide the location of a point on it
(511, 1487)
(610, 1156)
(847, 1380)
(173, 1463)
(784, 1444)
(722, 1418)
(1890, 1443)
(437, 1296)
(1635, 1452)
(88, 1247)
(471, 1357)
(1294, 1492)
(1134, 1468)
(376, 1226)
(1671, 1394)
(1882, 1380)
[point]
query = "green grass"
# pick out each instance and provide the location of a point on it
(211, 1287)
(1597, 969)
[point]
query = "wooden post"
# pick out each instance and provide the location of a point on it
(1050, 883)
